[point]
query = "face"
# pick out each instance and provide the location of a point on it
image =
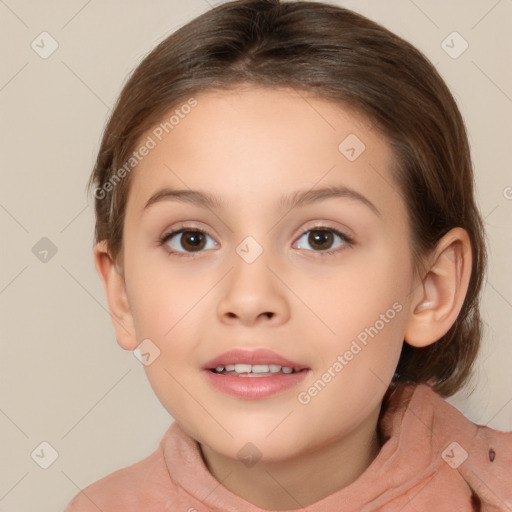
(323, 283)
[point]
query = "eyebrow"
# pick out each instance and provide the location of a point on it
(295, 199)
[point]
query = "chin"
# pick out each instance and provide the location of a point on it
(258, 444)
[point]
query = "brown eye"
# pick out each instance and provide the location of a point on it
(185, 241)
(322, 239)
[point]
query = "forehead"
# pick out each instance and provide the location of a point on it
(256, 142)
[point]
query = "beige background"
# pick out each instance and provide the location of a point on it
(64, 380)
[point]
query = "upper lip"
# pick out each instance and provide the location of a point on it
(244, 356)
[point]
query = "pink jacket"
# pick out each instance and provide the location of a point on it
(433, 460)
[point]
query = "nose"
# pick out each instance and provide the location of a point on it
(252, 294)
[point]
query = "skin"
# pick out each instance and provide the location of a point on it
(249, 147)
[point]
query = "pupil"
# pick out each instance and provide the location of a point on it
(194, 239)
(322, 238)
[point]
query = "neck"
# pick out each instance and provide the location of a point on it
(280, 485)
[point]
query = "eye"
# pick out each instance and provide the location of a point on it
(186, 241)
(183, 241)
(321, 239)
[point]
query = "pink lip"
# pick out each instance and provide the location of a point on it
(254, 388)
(259, 356)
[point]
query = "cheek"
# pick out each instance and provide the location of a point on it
(164, 297)
(366, 311)
(358, 293)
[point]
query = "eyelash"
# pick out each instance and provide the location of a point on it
(345, 238)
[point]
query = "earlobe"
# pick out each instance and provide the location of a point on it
(115, 290)
(439, 297)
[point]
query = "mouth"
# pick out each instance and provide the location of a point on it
(241, 362)
(253, 374)
(254, 370)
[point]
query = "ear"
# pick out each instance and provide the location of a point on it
(438, 299)
(112, 277)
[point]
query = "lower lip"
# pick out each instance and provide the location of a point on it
(254, 388)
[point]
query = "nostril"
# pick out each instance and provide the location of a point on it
(492, 455)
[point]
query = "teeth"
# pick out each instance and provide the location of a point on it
(242, 368)
(260, 368)
(255, 368)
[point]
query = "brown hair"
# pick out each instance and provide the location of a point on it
(339, 55)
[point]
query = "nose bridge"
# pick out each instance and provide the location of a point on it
(251, 289)
(250, 250)
(251, 275)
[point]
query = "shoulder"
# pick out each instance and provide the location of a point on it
(486, 465)
(139, 487)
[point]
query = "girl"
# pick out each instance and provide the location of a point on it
(289, 242)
